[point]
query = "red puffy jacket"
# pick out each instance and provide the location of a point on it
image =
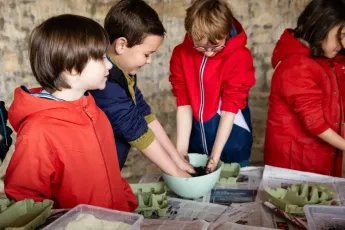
(305, 101)
(65, 151)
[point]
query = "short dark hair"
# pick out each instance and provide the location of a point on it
(317, 19)
(133, 20)
(64, 43)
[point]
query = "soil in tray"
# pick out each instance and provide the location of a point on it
(333, 225)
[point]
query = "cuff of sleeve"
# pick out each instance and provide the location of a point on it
(144, 140)
(318, 130)
(229, 108)
(182, 101)
(149, 118)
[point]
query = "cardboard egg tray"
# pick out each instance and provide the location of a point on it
(229, 173)
(152, 198)
(294, 198)
(5, 203)
(23, 215)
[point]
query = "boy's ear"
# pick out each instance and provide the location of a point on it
(120, 45)
(72, 72)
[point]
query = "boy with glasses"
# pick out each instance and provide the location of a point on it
(211, 74)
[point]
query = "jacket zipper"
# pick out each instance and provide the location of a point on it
(201, 109)
(94, 129)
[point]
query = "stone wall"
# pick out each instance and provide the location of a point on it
(263, 20)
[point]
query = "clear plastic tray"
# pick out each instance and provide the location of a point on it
(322, 217)
(134, 220)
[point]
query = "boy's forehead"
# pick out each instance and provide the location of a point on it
(151, 42)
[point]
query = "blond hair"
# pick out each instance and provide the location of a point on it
(211, 19)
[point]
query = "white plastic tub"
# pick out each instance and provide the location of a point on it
(321, 217)
(134, 220)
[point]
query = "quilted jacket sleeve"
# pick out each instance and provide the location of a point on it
(300, 89)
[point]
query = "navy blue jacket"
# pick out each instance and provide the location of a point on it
(126, 115)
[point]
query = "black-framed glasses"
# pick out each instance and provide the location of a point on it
(214, 49)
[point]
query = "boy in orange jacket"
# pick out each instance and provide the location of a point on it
(65, 149)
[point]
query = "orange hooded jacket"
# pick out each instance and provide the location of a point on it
(65, 151)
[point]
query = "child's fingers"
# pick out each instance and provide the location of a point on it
(210, 166)
(190, 169)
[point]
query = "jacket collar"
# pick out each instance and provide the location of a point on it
(116, 75)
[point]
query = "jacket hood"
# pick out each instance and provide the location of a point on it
(238, 41)
(287, 45)
(32, 102)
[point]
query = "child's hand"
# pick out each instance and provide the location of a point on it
(183, 174)
(185, 156)
(211, 164)
(183, 164)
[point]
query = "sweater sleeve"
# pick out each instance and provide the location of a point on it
(143, 107)
(125, 117)
(236, 85)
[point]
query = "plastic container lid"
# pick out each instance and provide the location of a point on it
(134, 220)
(322, 217)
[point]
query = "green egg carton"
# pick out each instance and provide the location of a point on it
(25, 214)
(294, 198)
(152, 198)
(229, 173)
(5, 203)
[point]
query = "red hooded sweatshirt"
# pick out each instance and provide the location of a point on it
(65, 152)
(214, 84)
(305, 101)
(202, 81)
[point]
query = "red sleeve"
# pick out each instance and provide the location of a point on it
(236, 85)
(131, 198)
(30, 170)
(302, 93)
(176, 78)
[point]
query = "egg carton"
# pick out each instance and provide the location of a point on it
(229, 173)
(152, 198)
(292, 199)
(5, 203)
(24, 215)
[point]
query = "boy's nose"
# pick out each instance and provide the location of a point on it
(149, 60)
(209, 53)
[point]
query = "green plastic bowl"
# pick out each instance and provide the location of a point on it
(194, 187)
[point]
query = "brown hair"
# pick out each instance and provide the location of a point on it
(211, 19)
(64, 43)
(317, 20)
(133, 20)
